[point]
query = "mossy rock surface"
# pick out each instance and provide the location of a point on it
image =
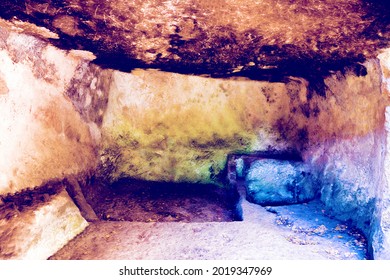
(175, 128)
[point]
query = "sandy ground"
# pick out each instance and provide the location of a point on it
(296, 232)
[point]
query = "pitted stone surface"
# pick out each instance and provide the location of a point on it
(257, 39)
(40, 230)
(279, 182)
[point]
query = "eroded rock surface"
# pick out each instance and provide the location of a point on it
(46, 134)
(260, 39)
(39, 230)
(279, 182)
(161, 126)
(42, 136)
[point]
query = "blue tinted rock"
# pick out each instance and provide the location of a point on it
(279, 182)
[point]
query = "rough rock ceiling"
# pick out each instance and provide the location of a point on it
(260, 39)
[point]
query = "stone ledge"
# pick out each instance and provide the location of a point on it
(39, 233)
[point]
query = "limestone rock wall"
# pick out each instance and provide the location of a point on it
(170, 127)
(348, 149)
(384, 58)
(380, 234)
(49, 130)
(380, 226)
(41, 135)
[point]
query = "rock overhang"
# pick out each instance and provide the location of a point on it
(261, 40)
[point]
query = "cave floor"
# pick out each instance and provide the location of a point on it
(295, 232)
(143, 201)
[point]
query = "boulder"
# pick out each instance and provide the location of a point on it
(279, 182)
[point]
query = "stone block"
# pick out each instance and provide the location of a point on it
(279, 182)
(40, 230)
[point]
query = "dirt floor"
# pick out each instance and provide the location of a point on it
(140, 201)
(186, 225)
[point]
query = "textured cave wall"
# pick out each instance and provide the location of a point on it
(380, 233)
(384, 58)
(348, 149)
(48, 132)
(380, 224)
(162, 126)
(171, 127)
(41, 135)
